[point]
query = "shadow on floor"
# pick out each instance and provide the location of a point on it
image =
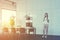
(27, 37)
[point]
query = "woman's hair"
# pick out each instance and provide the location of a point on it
(46, 15)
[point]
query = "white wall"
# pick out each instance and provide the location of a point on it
(37, 8)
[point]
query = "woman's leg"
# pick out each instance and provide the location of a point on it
(46, 31)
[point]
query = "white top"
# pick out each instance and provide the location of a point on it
(45, 21)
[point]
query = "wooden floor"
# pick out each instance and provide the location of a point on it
(26, 37)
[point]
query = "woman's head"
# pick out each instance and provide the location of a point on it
(12, 17)
(46, 15)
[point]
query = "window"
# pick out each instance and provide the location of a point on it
(6, 14)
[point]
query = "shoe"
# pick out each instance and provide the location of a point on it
(42, 36)
(45, 36)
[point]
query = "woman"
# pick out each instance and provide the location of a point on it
(46, 22)
(12, 21)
